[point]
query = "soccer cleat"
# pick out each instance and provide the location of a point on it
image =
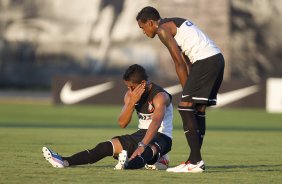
(53, 158)
(122, 160)
(192, 168)
(161, 164)
(176, 168)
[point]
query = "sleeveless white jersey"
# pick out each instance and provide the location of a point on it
(166, 126)
(194, 43)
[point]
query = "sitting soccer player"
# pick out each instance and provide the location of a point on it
(148, 144)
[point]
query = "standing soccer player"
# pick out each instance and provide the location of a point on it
(199, 65)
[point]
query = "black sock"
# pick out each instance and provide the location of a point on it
(190, 128)
(140, 161)
(91, 156)
(201, 120)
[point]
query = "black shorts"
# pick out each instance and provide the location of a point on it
(130, 142)
(204, 80)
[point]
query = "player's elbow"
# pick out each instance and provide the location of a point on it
(122, 124)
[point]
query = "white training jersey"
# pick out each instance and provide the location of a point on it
(145, 110)
(192, 41)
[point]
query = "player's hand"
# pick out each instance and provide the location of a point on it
(137, 152)
(136, 94)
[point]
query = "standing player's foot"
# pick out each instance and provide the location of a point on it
(122, 160)
(176, 168)
(53, 158)
(192, 168)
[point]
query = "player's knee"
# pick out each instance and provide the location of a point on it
(186, 104)
(187, 114)
(148, 153)
(155, 149)
(104, 146)
(155, 156)
(200, 107)
(183, 109)
(140, 161)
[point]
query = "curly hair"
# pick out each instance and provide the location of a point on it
(148, 13)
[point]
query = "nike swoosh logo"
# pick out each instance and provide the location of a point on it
(183, 96)
(232, 96)
(68, 96)
(191, 168)
(223, 98)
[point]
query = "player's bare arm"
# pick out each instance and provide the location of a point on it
(187, 62)
(130, 99)
(160, 101)
(166, 37)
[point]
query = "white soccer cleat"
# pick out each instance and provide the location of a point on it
(122, 160)
(161, 164)
(192, 168)
(176, 168)
(53, 158)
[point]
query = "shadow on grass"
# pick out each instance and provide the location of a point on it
(235, 168)
(92, 166)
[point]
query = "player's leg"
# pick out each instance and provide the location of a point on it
(198, 89)
(159, 146)
(200, 115)
(91, 156)
(212, 85)
(204, 77)
(160, 161)
(140, 161)
(187, 111)
(190, 127)
(129, 145)
(102, 150)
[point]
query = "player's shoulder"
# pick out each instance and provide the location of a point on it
(169, 26)
(160, 94)
(173, 21)
(162, 98)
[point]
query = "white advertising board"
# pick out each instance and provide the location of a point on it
(274, 95)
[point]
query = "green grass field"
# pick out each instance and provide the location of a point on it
(241, 146)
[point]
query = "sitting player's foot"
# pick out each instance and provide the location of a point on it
(53, 158)
(176, 168)
(122, 160)
(161, 164)
(193, 168)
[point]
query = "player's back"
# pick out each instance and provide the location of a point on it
(192, 41)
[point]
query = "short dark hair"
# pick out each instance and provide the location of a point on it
(148, 13)
(135, 74)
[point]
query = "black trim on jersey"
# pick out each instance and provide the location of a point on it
(177, 21)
